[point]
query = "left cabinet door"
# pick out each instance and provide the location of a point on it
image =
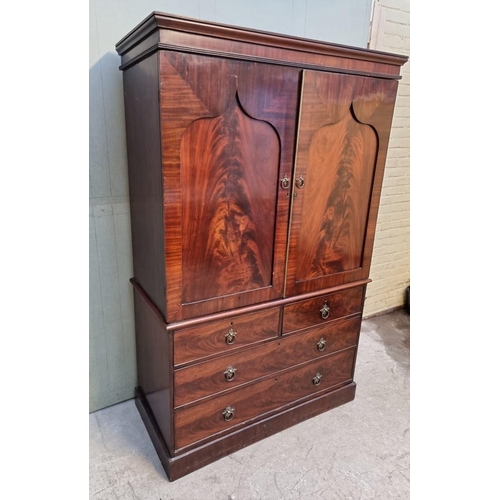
(228, 130)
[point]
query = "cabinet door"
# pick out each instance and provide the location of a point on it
(228, 132)
(342, 141)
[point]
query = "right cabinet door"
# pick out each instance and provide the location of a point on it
(343, 133)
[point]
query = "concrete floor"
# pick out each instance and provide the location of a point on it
(358, 451)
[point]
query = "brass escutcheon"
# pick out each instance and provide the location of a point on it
(321, 344)
(228, 413)
(231, 335)
(285, 182)
(230, 373)
(317, 378)
(325, 310)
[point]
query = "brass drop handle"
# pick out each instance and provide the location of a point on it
(230, 373)
(231, 335)
(325, 310)
(317, 379)
(321, 345)
(285, 182)
(300, 182)
(228, 413)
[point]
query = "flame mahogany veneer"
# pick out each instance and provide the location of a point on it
(255, 170)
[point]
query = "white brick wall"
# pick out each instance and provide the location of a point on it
(390, 269)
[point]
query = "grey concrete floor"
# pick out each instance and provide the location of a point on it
(358, 451)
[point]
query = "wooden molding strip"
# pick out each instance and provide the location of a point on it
(243, 57)
(159, 20)
(242, 310)
(144, 296)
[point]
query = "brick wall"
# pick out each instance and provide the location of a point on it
(390, 270)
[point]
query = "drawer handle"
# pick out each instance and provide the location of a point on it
(285, 182)
(230, 373)
(321, 344)
(300, 182)
(317, 379)
(231, 335)
(325, 310)
(228, 413)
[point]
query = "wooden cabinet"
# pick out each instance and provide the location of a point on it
(255, 169)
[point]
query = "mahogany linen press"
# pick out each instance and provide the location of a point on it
(255, 170)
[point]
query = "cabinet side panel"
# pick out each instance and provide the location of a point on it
(154, 364)
(142, 118)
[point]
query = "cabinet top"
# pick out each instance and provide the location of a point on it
(169, 32)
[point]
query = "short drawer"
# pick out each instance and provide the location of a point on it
(226, 411)
(211, 377)
(322, 309)
(224, 335)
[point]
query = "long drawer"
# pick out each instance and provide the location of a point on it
(224, 335)
(210, 377)
(226, 411)
(322, 309)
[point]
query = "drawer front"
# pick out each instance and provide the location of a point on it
(209, 417)
(237, 368)
(322, 309)
(224, 335)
